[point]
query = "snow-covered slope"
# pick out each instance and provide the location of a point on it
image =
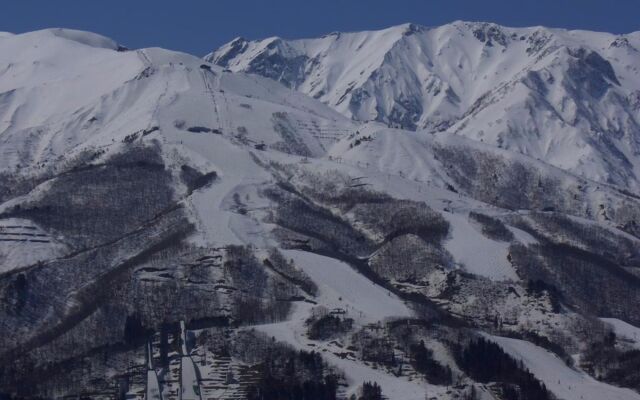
(50, 107)
(53, 110)
(625, 331)
(569, 98)
(561, 380)
(167, 223)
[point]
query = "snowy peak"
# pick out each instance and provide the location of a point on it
(172, 230)
(64, 91)
(570, 98)
(82, 37)
(412, 73)
(302, 63)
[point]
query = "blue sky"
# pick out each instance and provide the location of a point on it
(198, 26)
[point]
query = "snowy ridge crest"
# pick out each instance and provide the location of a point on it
(569, 98)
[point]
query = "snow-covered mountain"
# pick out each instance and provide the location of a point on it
(570, 98)
(51, 109)
(170, 229)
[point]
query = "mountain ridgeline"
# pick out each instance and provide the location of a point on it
(412, 213)
(569, 98)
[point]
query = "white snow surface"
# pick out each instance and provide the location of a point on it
(562, 381)
(625, 331)
(356, 373)
(189, 386)
(62, 92)
(82, 37)
(50, 107)
(23, 243)
(477, 253)
(153, 386)
(570, 98)
(342, 287)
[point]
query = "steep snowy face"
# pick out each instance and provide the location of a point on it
(58, 89)
(570, 98)
(570, 109)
